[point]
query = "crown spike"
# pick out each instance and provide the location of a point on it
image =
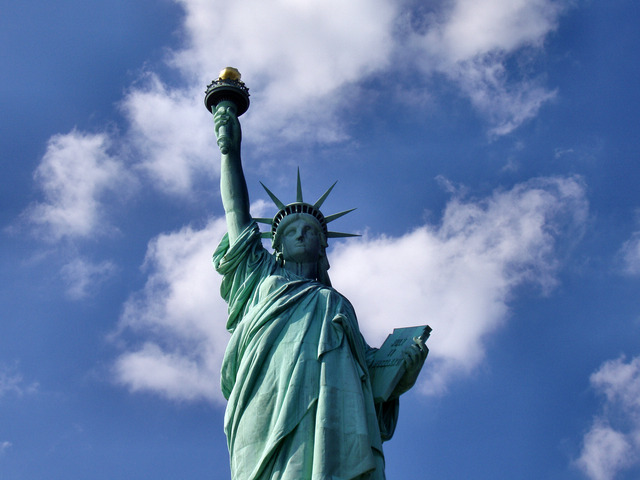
(331, 218)
(299, 189)
(324, 196)
(300, 207)
(275, 199)
(341, 235)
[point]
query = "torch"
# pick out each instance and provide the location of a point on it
(230, 89)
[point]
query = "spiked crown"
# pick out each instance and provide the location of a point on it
(300, 206)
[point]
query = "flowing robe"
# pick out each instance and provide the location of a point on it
(295, 375)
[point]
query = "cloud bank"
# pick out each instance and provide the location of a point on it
(303, 60)
(457, 276)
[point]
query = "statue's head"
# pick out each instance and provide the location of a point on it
(300, 218)
(296, 225)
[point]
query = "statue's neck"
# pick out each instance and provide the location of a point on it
(305, 270)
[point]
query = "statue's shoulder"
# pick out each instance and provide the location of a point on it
(271, 284)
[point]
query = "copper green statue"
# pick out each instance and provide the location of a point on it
(296, 371)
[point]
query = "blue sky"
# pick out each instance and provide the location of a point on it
(490, 147)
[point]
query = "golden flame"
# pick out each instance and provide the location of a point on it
(230, 73)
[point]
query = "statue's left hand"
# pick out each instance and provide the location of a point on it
(414, 357)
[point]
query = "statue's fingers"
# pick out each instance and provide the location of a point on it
(419, 342)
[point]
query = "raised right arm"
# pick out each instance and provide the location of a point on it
(233, 187)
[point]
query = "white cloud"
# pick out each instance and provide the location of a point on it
(173, 375)
(82, 276)
(459, 276)
(612, 444)
(298, 57)
(292, 41)
(74, 175)
(605, 452)
(630, 255)
(472, 28)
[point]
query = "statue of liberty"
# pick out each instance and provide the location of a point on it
(296, 369)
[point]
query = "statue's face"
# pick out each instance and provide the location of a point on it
(301, 242)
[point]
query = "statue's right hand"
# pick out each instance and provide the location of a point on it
(227, 127)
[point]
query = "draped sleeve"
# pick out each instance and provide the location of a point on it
(243, 266)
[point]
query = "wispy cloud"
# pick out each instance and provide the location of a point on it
(75, 174)
(4, 446)
(83, 179)
(12, 382)
(458, 277)
(629, 255)
(612, 444)
(83, 276)
(471, 43)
